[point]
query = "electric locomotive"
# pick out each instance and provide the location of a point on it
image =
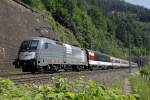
(43, 54)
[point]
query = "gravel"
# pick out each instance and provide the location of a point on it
(100, 76)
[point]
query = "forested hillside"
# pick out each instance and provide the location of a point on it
(103, 25)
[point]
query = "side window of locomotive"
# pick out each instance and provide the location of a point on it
(117, 61)
(46, 45)
(34, 44)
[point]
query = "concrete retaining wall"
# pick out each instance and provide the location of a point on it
(16, 24)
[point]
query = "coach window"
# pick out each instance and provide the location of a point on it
(46, 45)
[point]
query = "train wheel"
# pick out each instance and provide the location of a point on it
(56, 68)
(103, 67)
(110, 67)
(73, 68)
(78, 68)
(66, 70)
(23, 69)
(90, 68)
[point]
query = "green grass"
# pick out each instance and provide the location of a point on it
(141, 86)
(117, 84)
(145, 71)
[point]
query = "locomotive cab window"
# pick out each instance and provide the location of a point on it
(46, 45)
(29, 45)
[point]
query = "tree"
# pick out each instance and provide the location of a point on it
(97, 17)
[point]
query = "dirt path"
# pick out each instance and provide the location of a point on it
(127, 87)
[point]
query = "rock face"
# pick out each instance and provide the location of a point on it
(16, 24)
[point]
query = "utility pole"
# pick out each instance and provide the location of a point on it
(129, 41)
(139, 42)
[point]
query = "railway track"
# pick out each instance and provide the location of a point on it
(97, 75)
(29, 78)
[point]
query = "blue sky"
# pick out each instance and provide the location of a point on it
(145, 3)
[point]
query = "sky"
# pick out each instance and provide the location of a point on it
(145, 3)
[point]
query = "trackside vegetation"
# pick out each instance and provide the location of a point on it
(61, 89)
(145, 72)
(140, 83)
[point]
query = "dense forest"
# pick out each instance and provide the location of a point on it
(103, 25)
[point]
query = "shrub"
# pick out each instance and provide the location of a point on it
(61, 89)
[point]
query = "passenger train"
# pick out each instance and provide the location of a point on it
(44, 54)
